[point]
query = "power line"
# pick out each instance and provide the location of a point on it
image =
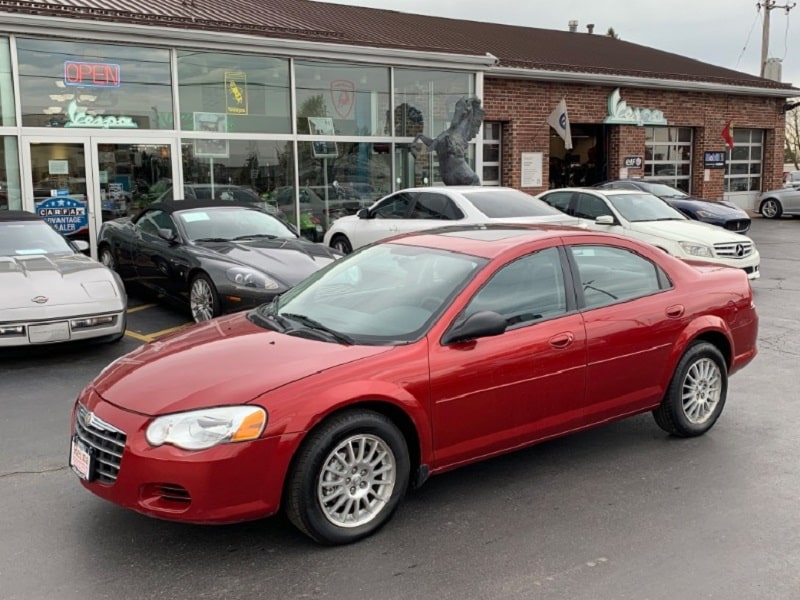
(747, 41)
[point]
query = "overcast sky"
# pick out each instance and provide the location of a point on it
(721, 32)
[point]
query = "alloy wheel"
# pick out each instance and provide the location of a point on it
(701, 391)
(201, 300)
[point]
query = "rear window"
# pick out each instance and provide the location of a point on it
(502, 204)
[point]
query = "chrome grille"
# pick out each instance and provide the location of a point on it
(105, 442)
(734, 249)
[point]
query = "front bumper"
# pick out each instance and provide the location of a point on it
(224, 484)
(34, 332)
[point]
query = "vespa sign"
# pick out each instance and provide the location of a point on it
(619, 113)
(79, 118)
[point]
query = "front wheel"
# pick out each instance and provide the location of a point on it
(771, 209)
(696, 394)
(341, 243)
(203, 299)
(348, 477)
(107, 258)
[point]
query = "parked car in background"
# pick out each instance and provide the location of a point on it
(773, 204)
(405, 359)
(791, 179)
(49, 291)
(223, 192)
(215, 258)
(420, 208)
(646, 217)
(717, 212)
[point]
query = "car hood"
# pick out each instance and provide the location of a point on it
(58, 282)
(685, 230)
(721, 208)
(220, 362)
(288, 260)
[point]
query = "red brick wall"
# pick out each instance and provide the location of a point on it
(523, 107)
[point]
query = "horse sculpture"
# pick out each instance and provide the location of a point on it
(451, 146)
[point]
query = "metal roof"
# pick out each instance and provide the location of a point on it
(514, 46)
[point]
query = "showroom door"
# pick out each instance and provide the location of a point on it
(77, 183)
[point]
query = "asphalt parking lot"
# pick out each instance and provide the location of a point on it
(621, 512)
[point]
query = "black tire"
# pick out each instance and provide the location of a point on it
(106, 257)
(702, 377)
(364, 492)
(771, 209)
(204, 301)
(341, 243)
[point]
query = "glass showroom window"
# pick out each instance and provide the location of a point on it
(340, 99)
(425, 100)
(743, 166)
(7, 117)
(337, 179)
(414, 168)
(492, 145)
(10, 196)
(87, 85)
(233, 93)
(668, 156)
(255, 172)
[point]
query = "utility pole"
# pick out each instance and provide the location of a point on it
(768, 5)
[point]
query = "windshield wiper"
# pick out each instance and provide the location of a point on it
(253, 236)
(313, 324)
(211, 239)
(268, 315)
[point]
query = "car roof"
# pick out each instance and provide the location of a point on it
(18, 215)
(599, 191)
(171, 206)
(490, 240)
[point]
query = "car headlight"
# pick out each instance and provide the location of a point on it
(693, 249)
(704, 213)
(251, 278)
(201, 429)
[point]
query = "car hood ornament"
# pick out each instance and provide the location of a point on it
(40, 299)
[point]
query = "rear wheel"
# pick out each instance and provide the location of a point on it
(107, 257)
(696, 394)
(341, 243)
(771, 208)
(203, 299)
(348, 477)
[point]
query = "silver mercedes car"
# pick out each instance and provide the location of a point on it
(51, 292)
(774, 204)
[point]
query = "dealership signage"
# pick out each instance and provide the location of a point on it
(633, 162)
(619, 113)
(65, 214)
(89, 74)
(714, 159)
(79, 118)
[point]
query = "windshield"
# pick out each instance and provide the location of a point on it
(384, 294)
(643, 207)
(26, 238)
(503, 204)
(230, 223)
(661, 189)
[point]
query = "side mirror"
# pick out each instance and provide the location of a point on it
(604, 220)
(484, 323)
(363, 213)
(167, 234)
(80, 245)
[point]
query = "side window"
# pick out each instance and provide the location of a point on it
(559, 200)
(146, 224)
(609, 275)
(394, 207)
(163, 221)
(591, 207)
(527, 290)
(435, 206)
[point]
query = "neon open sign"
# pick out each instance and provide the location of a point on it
(86, 74)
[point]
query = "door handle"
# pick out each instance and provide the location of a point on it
(562, 340)
(675, 311)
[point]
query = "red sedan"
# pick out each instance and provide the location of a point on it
(408, 358)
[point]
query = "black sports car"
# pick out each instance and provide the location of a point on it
(218, 257)
(717, 212)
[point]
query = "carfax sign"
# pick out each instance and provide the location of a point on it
(65, 214)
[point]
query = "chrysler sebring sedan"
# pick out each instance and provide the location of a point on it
(49, 291)
(647, 217)
(406, 359)
(426, 208)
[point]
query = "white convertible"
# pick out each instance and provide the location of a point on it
(50, 292)
(648, 218)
